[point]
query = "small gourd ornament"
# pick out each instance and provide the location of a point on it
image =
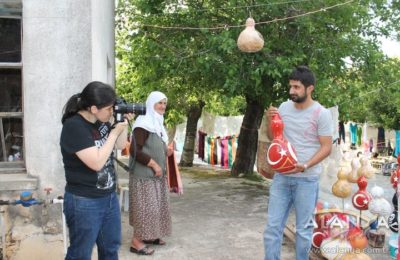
(356, 255)
(353, 176)
(379, 205)
(335, 248)
(365, 169)
(281, 156)
(250, 40)
(362, 197)
(357, 238)
(341, 188)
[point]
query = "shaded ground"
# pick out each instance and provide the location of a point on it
(218, 217)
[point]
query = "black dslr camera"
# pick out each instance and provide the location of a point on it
(121, 107)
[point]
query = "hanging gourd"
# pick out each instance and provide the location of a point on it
(250, 40)
(281, 156)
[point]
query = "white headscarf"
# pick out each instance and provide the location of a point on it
(153, 121)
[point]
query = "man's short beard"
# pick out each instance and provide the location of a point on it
(298, 99)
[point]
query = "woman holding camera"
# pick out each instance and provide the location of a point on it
(149, 212)
(87, 141)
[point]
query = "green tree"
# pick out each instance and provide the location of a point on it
(165, 51)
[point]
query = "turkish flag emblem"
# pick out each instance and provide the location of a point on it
(281, 155)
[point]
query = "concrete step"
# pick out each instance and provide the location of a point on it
(12, 167)
(17, 181)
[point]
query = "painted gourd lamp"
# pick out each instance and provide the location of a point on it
(281, 156)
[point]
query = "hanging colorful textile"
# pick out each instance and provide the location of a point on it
(397, 149)
(359, 133)
(202, 137)
(207, 149)
(220, 150)
(234, 147)
(231, 159)
(371, 145)
(224, 152)
(353, 134)
(217, 151)
(380, 145)
(365, 142)
(174, 176)
(342, 135)
(212, 149)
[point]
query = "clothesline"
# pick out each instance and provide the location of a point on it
(229, 8)
(237, 26)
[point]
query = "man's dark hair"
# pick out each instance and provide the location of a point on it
(304, 75)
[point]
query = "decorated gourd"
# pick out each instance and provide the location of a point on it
(365, 169)
(319, 234)
(393, 222)
(358, 255)
(357, 238)
(250, 40)
(353, 176)
(394, 180)
(378, 204)
(394, 201)
(281, 155)
(332, 248)
(362, 197)
(341, 188)
(338, 225)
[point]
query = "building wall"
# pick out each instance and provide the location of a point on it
(62, 51)
(103, 65)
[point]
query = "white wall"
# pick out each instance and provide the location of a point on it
(103, 66)
(62, 52)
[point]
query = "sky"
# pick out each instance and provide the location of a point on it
(390, 47)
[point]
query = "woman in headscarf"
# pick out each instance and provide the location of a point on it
(149, 212)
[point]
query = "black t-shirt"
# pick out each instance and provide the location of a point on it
(78, 134)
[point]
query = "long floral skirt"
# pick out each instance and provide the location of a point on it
(149, 212)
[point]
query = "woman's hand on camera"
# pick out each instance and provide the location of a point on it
(129, 116)
(119, 128)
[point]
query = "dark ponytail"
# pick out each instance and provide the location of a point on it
(94, 94)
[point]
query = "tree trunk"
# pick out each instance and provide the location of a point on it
(248, 138)
(193, 116)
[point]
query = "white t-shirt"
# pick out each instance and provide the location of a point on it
(302, 128)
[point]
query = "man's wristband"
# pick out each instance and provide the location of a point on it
(305, 167)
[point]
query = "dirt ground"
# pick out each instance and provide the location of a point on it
(217, 217)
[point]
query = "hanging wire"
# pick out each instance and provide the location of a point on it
(230, 8)
(237, 26)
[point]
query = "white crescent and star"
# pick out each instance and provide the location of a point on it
(277, 161)
(365, 201)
